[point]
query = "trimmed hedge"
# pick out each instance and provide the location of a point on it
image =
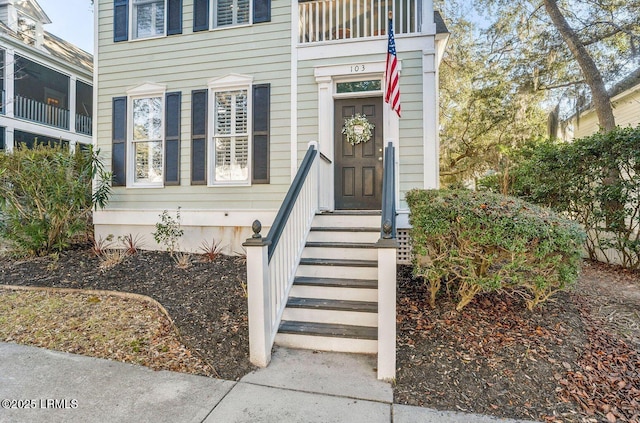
(483, 242)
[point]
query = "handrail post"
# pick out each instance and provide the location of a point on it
(258, 294)
(387, 250)
(387, 308)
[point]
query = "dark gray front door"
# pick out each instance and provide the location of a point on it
(358, 168)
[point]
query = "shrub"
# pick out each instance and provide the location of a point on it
(482, 242)
(46, 197)
(595, 181)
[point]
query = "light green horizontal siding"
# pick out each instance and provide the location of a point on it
(187, 62)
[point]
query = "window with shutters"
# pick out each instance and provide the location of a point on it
(146, 142)
(230, 140)
(148, 18)
(229, 150)
(230, 12)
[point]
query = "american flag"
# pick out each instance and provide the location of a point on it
(392, 86)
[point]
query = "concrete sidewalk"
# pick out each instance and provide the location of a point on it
(38, 385)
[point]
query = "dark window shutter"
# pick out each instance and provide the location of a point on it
(172, 139)
(120, 20)
(199, 137)
(200, 15)
(119, 142)
(174, 17)
(261, 11)
(260, 138)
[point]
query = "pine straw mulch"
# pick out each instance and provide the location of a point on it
(566, 362)
(131, 329)
(575, 360)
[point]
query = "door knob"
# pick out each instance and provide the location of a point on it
(380, 159)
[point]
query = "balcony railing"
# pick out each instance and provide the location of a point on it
(36, 111)
(83, 124)
(328, 20)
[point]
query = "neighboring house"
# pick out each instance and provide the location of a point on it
(625, 99)
(46, 82)
(209, 106)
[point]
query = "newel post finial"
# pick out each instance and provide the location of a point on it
(256, 227)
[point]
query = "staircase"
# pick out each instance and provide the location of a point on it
(333, 303)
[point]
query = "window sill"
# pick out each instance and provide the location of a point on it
(144, 186)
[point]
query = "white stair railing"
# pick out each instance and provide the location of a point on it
(272, 261)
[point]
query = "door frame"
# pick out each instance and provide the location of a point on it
(327, 77)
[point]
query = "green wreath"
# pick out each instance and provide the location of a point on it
(357, 129)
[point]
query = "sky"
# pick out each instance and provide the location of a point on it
(72, 20)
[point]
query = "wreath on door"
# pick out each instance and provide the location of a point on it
(357, 129)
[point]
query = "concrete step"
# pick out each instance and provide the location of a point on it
(338, 250)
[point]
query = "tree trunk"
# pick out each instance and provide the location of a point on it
(592, 76)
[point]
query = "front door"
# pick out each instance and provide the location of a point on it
(358, 168)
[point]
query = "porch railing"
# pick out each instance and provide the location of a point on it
(36, 111)
(83, 124)
(272, 261)
(327, 20)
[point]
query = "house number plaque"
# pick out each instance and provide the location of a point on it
(357, 68)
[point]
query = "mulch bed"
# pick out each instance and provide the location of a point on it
(574, 360)
(206, 301)
(563, 362)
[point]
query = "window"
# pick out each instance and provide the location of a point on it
(209, 14)
(230, 141)
(147, 141)
(230, 12)
(230, 132)
(145, 144)
(148, 18)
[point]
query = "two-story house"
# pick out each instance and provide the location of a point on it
(209, 106)
(46, 82)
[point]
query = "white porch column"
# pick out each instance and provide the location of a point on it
(9, 85)
(387, 308)
(72, 103)
(259, 303)
(325, 138)
(9, 93)
(430, 118)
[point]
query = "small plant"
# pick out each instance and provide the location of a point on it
(241, 257)
(111, 258)
(53, 265)
(243, 285)
(100, 245)
(130, 243)
(183, 260)
(168, 232)
(212, 251)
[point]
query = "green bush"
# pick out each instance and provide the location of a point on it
(595, 181)
(46, 197)
(483, 242)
